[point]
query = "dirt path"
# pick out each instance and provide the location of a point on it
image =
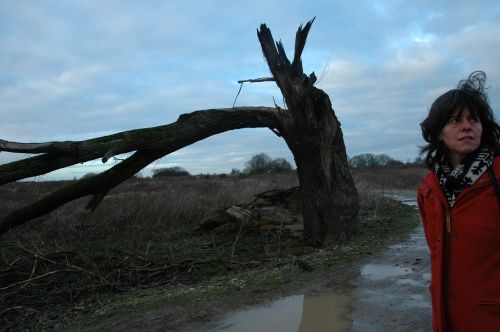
(391, 293)
(388, 292)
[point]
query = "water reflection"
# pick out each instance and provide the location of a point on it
(382, 271)
(324, 312)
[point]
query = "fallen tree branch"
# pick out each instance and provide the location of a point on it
(47, 147)
(9, 266)
(150, 144)
(189, 128)
(43, 257)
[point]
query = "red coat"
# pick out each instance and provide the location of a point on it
(464, 244)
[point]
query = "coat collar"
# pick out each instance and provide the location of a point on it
(430, 183)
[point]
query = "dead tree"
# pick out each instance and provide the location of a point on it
(308, 125)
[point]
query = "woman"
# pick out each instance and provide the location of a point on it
(459, 203)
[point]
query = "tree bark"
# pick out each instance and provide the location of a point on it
(314, 135)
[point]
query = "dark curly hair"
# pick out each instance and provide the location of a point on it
(468, 94)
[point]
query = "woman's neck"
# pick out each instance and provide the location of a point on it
(455, 159)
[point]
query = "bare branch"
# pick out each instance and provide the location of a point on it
(27, 281)
(258, 80)
(101, 182)
(289, 76)
(255, 80)
(48, 147)
(277, 65)
(189, 128)
(300, 43)
(150, 144)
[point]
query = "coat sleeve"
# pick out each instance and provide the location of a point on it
(421, 211)
(423, 218)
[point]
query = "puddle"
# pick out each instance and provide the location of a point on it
(415, 301)
(382, 271)
(404, 200)
(321, 312)
(415, 242)
(405, 197)
(409, 281)
(281, 315)
(398, 246)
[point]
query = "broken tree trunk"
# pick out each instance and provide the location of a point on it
(308, 125)
(313, 134)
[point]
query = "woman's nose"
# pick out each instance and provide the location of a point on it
(466, 124)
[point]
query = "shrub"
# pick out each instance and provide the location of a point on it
(263, 164)
(280, 165)
(258, 164)
(170, 171)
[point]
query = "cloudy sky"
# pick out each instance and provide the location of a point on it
(77, 69)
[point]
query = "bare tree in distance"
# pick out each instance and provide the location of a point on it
(261, 163)
(258, 164)
(308, 125)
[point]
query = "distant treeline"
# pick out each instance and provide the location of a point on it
(259, 164)
(262, 163)
(378, 160)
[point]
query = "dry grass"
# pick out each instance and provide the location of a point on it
(140, 236)
(390, 177)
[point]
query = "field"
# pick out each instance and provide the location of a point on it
(142, 248)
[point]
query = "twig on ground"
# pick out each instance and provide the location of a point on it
(27, 281)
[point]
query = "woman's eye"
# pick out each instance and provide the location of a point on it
(453, 120)
(474, 119)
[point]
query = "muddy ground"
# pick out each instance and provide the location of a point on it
(387, 292)
(379, 284)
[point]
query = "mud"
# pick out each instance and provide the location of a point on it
(388, 292)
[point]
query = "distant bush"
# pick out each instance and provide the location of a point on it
(280, 165)
(170, 171)
(258, 164)
(263, 164)
(88, 175)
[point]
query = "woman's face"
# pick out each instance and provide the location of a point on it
(461, 134)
